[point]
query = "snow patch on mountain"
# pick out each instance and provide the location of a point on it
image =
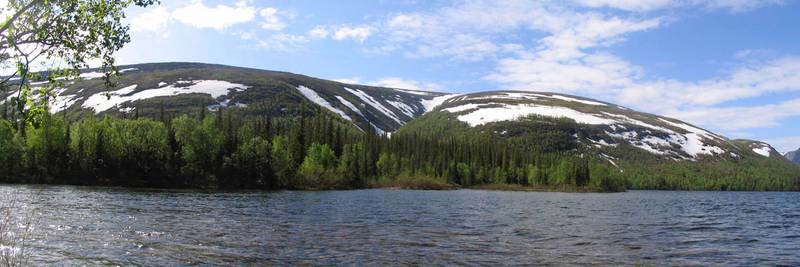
(349, 105)
(406, 109)
(506, 112)
(528, 96)
(692, 129)
(656, 139)
(430, 104)
(61, 102)
(95, 74)
(414, 92)
(314, 97)
(375, 104)
(572, 99)
(762, 149)
(106, 100)
(464, 107)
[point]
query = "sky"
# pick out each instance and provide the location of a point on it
(730, 66)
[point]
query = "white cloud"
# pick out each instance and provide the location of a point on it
(152, 20)
(629, 5)
(359, 33)
(283, 42)
(733, 6)
(318, 32)
(397, 82)
(394, 82)
(466, 31)
(271, 19)
(219, 17)
(785, 144)
(736, 118)
(353, 80)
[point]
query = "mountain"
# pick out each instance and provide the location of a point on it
(184, 87)
(599, 125)
(613, 131)
(793, 156)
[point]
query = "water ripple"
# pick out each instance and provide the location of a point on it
(112, 226)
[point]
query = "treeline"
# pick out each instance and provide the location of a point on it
(225, 150)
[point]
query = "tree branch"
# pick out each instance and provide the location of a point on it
(11, 20)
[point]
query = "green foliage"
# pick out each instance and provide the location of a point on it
(223, 150)
(250, 166)
(201, 143)
(70, 33)
(319, 168)
(47, 147)
(282, 162)
(11, 149)
(350, 164)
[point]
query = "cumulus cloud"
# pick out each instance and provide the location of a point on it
(318, 32)
(357, 33)
(218, 17)
(629, 5)
(466, 31)
(570, 58)
(283, 42)
(733, 6)
(785, 144)
(271, 19)
(394, 82)
(152, 20)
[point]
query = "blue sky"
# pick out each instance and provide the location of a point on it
(731, 66)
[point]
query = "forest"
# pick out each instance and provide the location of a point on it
(220, 149)
(316, 151)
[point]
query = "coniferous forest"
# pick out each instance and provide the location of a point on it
(223, 149)
(219, 149)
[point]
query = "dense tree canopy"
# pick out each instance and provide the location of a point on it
(222, 150)
(62, 36)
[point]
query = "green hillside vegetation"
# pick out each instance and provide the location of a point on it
(280, 140)
(225, 150)
(532, 146)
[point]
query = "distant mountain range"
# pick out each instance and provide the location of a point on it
(605, 129)
(793, 156)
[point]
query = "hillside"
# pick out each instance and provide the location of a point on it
(185, 87)
(527, 137)
(651, 151)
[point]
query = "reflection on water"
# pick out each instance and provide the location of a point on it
(93, 226)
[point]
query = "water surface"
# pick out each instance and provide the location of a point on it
(112, 226)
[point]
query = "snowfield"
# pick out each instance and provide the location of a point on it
(762, 149)
(691, 142)
(95, 75)
(366, 98)
(507, 112)
(349, 105)
(104, 101)
(430, 104)
(314, 97)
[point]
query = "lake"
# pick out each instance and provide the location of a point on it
(114, 226)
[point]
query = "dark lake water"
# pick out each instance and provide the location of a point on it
(110, 226)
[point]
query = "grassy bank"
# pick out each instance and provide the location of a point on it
(540, 188)
(417, 182)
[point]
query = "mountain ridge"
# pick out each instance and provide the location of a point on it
(180, 86)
